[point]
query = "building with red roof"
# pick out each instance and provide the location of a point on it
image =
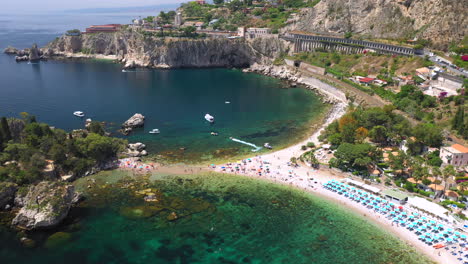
(464, 58)
(103, 28)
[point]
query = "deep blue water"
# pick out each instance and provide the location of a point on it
(174, 101)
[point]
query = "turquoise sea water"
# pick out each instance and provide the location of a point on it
(222, 219)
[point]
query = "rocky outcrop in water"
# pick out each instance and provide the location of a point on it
(34, 53)
(10, 50)
(45, 205)
(137, 120)
(7, 194)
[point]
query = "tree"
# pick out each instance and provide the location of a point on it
(218, 2)
(398, 163)
(189, 31)
(5, 133)
(355, 155)
(458, 122)
(97, 128)
(361, 134)
(436, 173)
(348, 126)
(448, 171)
(378, 134)
(429, 134)
(98, 147)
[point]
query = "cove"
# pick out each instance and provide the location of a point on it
(174, 101)
(220, 219)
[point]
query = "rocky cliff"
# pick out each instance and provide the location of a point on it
(441, 21)
(138, 49)
(45, 205)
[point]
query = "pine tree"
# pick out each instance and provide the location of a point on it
(458, 120)
(5, 130)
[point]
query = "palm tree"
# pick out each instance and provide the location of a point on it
(435, 171)
(448, 171)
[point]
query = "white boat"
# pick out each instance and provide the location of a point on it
(268, 146)
(209, 118)
(227, 102)
(154, 131)
(78, 113)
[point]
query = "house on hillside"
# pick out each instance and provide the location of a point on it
(456, 155)
(423, 73)
(447, 82)
(366, 81)
(451, 195)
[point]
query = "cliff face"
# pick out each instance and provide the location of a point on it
(136, 49)
(441, 21)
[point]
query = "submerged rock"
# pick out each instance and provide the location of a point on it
(57, 239)
(27, 242)
(144, 211)
(7, 194)
(45, 205)
(172, 216)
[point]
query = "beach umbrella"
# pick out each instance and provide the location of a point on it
(463, 236)
(449, 230)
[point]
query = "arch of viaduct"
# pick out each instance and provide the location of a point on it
(304, 42)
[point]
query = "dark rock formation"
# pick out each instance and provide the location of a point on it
(34, 53)
(7, 194)
(45, 205)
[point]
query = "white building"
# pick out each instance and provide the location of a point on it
(178, 19)
(257, 32)
(456, 155)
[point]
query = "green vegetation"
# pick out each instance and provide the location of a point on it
(356, 135)
(74, 32)
(25, 154)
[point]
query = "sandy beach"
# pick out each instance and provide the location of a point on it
(276, 167)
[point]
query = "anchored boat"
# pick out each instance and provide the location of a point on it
(154, 131)
(209, 118)
(78, 114)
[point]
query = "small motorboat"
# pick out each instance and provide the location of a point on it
(214, 133)
(154, 131)
(78, 114)
(267, 145)
(227, 102)
(209, 118)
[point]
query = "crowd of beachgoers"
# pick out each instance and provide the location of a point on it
(440, 235)
(135, 164)
(420, 229)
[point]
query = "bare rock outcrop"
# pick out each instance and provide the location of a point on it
(440, 21)
(45, 205)
(137, 120)
(136, 150)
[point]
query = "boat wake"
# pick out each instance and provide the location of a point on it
(255, 147)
